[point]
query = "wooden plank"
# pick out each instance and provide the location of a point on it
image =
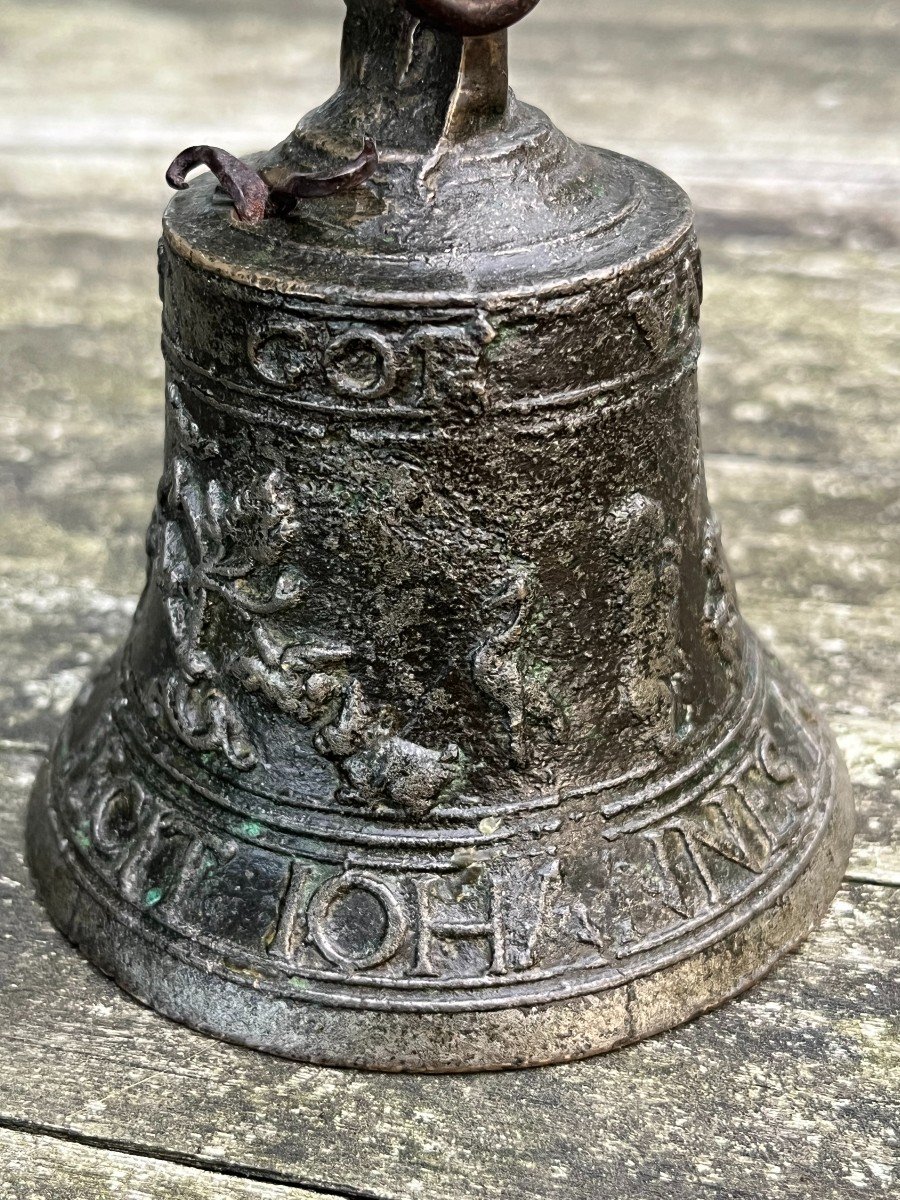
(876, 857)
(34, 1167)
(788, 1092)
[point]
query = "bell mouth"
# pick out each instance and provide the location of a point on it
(350, 966)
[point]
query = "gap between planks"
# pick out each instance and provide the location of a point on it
(195, 1161)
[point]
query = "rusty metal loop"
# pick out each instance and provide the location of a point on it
(275, 193)
(247, 190)
(472, 18)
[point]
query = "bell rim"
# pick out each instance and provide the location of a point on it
(465, 1040)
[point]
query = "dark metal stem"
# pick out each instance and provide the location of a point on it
(473, 18)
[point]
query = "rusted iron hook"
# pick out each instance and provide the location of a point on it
(257, 196)
(472, 18)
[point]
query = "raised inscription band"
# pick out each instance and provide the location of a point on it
(700, 867)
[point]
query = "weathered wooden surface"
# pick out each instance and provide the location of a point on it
(778, 117)
(38, 1167)
(790, 1092)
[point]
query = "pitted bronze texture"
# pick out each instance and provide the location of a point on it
(439, 742)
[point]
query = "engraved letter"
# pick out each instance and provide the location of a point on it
(690, 851)
(321, 934)
(432, 929)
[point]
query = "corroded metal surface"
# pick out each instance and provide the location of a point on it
(439, 742)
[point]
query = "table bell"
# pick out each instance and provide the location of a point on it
(438, 742)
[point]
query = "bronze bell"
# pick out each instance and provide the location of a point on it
(438, 742)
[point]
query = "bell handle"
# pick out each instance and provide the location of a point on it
(472, 18)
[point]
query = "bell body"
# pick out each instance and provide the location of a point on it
(439, 742)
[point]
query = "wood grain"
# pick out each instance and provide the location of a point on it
(41, 1167)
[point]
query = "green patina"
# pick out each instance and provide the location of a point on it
(502, 335)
